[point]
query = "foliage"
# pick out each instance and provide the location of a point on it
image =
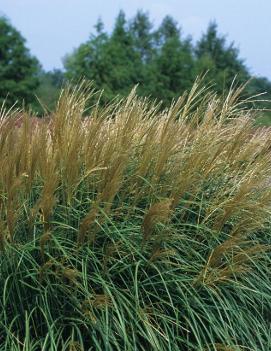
(50, 84)
(135, 228)
(88, 59)
(173, 64)
(221, 59)
(18, 69)
(162, 61)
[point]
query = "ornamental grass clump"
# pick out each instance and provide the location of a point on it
(129, 227)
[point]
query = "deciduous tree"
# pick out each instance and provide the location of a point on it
(18, 69)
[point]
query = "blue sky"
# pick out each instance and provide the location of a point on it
(53, 28)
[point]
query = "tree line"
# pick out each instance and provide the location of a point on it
(162, 61)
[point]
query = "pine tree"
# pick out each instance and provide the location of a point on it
(110, 61)
(87, 61)
(141, 31)
(173, 65)
(122, 58)
(220, 59)
(143, 39)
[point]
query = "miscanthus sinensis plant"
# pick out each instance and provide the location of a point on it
(128, 227)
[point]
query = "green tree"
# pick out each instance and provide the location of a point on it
(220, 59)
(162, 61)
(173, 65)
(88, 59)
(111, 61)
(140, 29)
(18, 69)
(122, 59)
(48, 90)
(142, 35)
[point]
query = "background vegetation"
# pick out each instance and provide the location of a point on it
(161, 60)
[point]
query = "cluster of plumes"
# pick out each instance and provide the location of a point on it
(135, 219)
(130, 152)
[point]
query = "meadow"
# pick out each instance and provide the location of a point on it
(133, 227)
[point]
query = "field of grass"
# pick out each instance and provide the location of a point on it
(135, 229)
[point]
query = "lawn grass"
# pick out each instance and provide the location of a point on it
(125, 227)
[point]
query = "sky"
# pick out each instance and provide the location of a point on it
(53, 28)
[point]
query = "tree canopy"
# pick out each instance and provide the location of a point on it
(221, 59)
(162, 61)
(18, 69)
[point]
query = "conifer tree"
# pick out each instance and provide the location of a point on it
(174, 62)
(220, 59)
